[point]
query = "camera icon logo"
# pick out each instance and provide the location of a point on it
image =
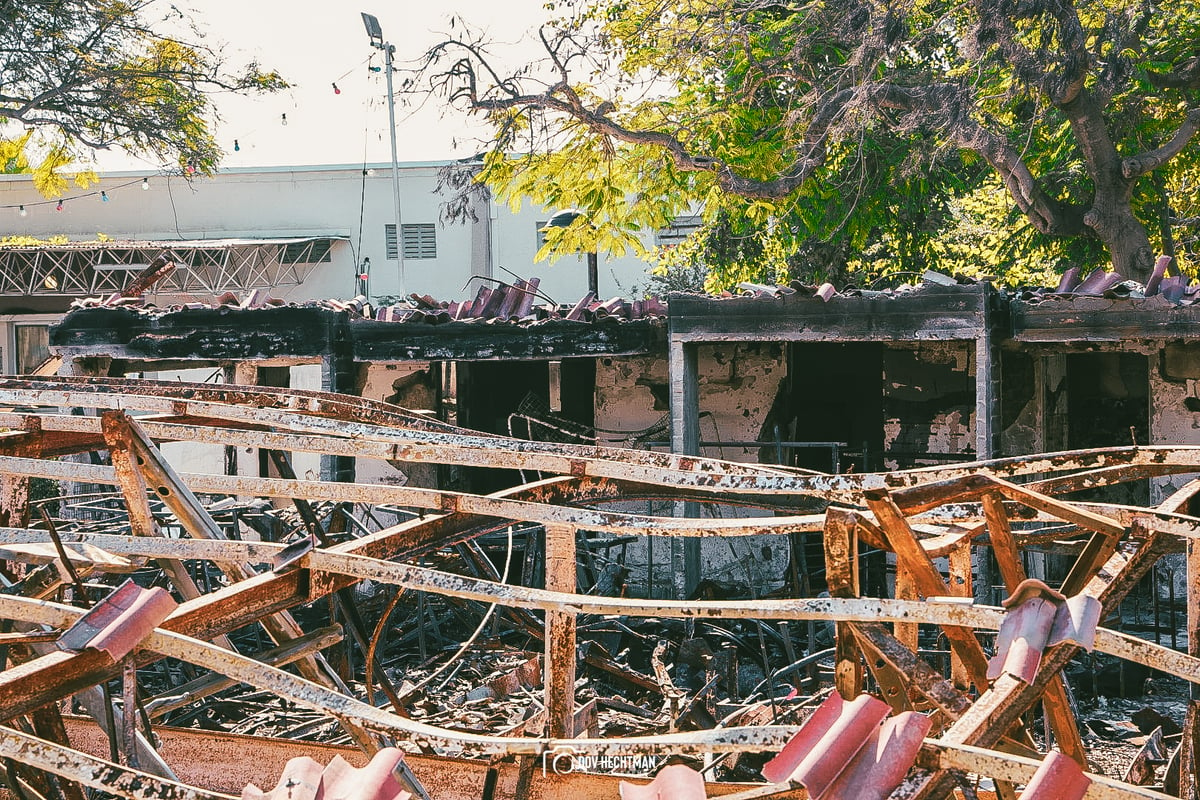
(559, 761)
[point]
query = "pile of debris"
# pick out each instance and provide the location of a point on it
(484, 645)
(516, 302)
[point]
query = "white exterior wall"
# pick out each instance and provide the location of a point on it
(315, 201)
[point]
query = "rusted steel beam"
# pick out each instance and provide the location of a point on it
(469, 447)
(927, 580)
(119, 440)
(971, 487)
(129, 701)
(94, 772)
(14, 489)
(38, 681)
(906, 589)
(841, 576)
(1095, 553)
(1062, 510)
(1019, 769)
(916, 673)
(207, 685)
(48, 726)
(1104, 476)
(611, 522)
(1012, 572)
(326, 404)
(961, 584)
(560, 633)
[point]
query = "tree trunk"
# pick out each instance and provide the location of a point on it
(1112, 219)
(1111, 215)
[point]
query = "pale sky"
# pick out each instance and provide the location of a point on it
(313, 44)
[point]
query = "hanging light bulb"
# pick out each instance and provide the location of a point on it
(375, 69)
(236, 146)
(50, 282)
(59, 207)
(104, 197)
(283, 118)
(22, 211)
(190, 169)
(145, 184)
(336, 90)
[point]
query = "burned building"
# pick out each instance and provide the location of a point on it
(866, 462)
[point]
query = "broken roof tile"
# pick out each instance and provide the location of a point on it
(881, 764)
(305, 779)
(1037, 618)
(849, 749)
(119, 622)
(1058, 778)
(674, 782)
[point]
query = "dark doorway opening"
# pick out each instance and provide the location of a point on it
(1108, 405)
(837, 396)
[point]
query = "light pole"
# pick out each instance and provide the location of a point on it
(375, 34)
(563, 219)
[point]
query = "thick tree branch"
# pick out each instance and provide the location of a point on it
(1187, 76)
(1044, 212)
(1141, 164)
(562, 99)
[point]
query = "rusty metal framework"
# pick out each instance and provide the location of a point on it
(976, 716)
(204, 267)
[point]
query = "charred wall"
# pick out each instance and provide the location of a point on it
(928, 404)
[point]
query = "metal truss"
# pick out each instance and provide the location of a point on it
(203, 266)
(918, 516)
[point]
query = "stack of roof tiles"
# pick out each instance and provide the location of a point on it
(515, 303)
(518, 303)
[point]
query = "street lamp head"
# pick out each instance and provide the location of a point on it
(374, 32)
(563, 219)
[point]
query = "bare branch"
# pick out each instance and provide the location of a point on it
(1143, 163)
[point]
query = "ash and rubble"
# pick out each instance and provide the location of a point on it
(480, 664)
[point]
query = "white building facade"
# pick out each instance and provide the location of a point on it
(301, 233)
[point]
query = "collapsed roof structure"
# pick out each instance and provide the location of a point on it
(974, 718)
(875, 596)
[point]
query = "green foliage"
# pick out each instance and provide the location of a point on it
(81, 75)
(852, 141)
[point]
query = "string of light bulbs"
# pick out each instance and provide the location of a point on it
(61, 203)
(248, 135)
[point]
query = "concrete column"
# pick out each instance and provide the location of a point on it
(987, 379)
(338, 374)
(685, 439)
